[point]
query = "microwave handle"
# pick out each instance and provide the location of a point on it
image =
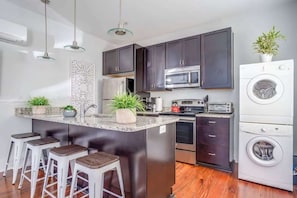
(189, 78)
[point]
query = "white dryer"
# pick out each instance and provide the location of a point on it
(266, 92)
(266, 154)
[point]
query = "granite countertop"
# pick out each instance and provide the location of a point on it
(106, 121)
(215, 115)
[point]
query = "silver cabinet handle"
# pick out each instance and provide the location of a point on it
(212, 122)
(212, 136)
(211, 154)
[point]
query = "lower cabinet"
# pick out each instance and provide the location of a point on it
(213, 142)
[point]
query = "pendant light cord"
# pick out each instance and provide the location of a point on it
(74, 21)
(45, 18)
(120, 11)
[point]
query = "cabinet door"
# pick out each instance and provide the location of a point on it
(159, 65)
(126, 59)
(110, 62)
(155, 67)
(150, 76)
(174, 54)
(191, 53)
(216, 64)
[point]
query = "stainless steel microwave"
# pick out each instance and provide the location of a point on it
(182, 77)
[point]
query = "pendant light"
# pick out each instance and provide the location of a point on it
(120, 31)
(45, 55)
(74, 46)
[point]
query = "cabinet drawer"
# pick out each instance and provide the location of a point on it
(212, 123)
(220, 138)
(218, 155)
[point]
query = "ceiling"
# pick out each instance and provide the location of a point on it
(146, 18)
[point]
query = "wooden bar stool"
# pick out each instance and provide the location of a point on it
(63, 156)
(18, 141)
(95, 165)
(37, 148)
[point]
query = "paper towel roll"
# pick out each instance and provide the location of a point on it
(159, 105)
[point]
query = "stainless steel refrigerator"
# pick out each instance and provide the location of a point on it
(111, 88)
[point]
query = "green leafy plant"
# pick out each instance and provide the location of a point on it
(69, 107)
(267, 42)
(38, 101)
(127, 101)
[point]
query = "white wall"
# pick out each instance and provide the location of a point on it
(22, 75)
(246, 28)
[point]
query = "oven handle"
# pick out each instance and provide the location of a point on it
(188, 119)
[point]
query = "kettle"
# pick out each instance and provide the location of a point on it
(175, 108)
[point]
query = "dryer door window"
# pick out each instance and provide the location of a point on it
(264, 151)
(265, 89)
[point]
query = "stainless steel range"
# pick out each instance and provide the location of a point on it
(186, 128)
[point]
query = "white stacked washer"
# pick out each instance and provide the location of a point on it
(266, 123)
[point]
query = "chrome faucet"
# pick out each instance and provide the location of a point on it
(83, 109)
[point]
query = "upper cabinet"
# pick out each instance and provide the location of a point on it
(120, 60)
(183, 52)
(155, 66)
(216, 59)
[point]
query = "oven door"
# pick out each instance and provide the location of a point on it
(186, 133)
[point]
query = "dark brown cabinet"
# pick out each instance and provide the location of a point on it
(155, 66)
(213, 142)
(183, 52)
(216, 59)
(120, 60)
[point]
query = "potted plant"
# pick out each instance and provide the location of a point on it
(267, 45)
(69, 111)
(125, 106)
(38, 104)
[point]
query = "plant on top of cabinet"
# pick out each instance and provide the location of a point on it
(266, 44)
(38, 104)
(183, 52)
(119, 61)
(125, 106)
(216, 59)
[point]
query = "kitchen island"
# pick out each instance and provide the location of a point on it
(146, 148)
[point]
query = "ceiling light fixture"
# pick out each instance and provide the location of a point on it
(120, 31)
(74, 46)
(45, 55)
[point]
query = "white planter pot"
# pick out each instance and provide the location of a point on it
(266, 57)
(39, 110)
(125, 116)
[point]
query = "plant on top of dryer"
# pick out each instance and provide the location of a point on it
(267, 43)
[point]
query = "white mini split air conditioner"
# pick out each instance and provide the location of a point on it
(13, 33)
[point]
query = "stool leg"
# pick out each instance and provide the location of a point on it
(120, 178)
(49, 165)
(36, 155)
(74, 181)
(8, 158)
(62, 177)
(24, 167)
(17, 157)
(96, 184)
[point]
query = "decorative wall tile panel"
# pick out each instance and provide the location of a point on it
(82, 76)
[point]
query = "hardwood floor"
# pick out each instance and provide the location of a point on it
(191, 182)
(202, 182)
